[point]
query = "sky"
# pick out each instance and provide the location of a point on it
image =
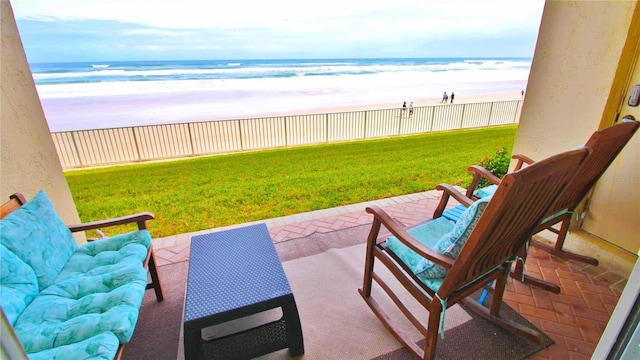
(120, 30)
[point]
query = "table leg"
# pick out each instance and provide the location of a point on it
(294, 329)
(192, 341)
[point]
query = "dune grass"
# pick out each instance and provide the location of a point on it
(208, 192)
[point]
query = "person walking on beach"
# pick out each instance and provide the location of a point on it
(445, 97)
(404, 109)
(452, 96)
(410, 109)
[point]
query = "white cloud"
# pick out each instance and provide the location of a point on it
(150, 48)
(278, 28)
(158, 32)
(435, 17)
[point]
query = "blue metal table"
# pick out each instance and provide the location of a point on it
(234, 274)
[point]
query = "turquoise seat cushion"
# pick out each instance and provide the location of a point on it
(428, 234)
(102, 346)
(485, 191)
(133, 242)
(75, 309)
(36, 234)
(100, 256)
(18, 284)
(444, 237)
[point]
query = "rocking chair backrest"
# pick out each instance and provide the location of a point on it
(606, 144)
(517, 207)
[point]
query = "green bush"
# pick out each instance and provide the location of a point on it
(498, 165)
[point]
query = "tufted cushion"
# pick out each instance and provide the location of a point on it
(133, 242)
(445, 239)
(18, 284)
(101, 346)
(66, 301)
(36, 234)
(99, 257)
(79, 308)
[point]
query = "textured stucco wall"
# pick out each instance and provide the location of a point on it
(28, 158)
(575, 62)
(574, 86)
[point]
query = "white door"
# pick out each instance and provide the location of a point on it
(614, 207)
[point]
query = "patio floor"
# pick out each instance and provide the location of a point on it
(575, 319)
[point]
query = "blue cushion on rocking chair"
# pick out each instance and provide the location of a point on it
(485, 191)
(441, 235)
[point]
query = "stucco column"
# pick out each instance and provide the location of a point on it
(28, 159)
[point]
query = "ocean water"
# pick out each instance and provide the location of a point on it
(115, 94)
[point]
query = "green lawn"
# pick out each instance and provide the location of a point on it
(208, 192)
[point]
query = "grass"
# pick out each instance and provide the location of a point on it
(208, 192)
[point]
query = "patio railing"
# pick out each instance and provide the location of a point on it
(87, 148)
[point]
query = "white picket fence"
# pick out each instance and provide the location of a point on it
(89, 148)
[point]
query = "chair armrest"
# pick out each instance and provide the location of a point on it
(139, 218)
(450, 191)
(521, 160)
(478, 173)
(380, 216)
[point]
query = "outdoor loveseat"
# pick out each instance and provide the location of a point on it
(65, 301)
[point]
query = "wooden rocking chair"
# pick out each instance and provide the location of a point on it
(495, 233)
(606, 145)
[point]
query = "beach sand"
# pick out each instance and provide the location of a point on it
(425, 102)
(83, 113)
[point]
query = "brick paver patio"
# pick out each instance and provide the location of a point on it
(575, 319)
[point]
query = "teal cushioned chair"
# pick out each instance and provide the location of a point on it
(60, 298)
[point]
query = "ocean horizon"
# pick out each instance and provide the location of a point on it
(104, 94)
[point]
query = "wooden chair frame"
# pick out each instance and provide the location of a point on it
(508, 221)
(606, 144)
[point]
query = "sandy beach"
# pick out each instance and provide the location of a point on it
(426, 102)
(77, 96)
(85, 113)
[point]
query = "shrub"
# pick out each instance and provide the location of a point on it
(498, 165)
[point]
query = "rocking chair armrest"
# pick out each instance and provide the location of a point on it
(479, 173)
(399, 232)
(139, 218)
(522, 159)
(482, 172)
(450, 191)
